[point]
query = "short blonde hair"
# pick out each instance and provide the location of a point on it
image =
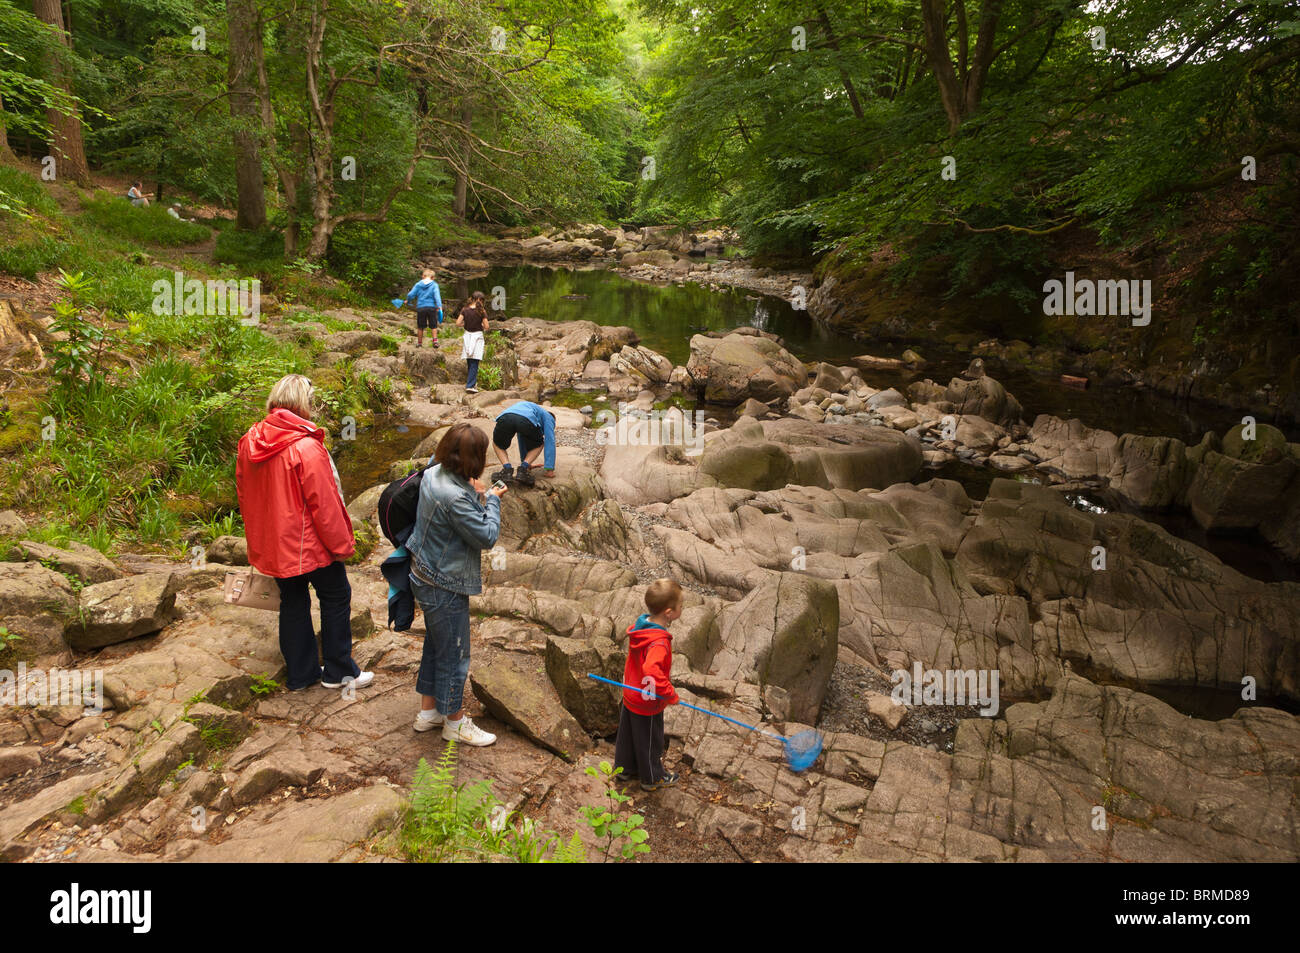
(428, 273)
(293, 393)
(663, 594)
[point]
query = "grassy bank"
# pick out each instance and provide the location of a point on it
(126, 438)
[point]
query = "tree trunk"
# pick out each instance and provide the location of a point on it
(67, 147)
(5, 152)
(460, 193)
(245, 56)
(321, 137)
(961, 87)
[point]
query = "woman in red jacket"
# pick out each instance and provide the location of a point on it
(299, 531)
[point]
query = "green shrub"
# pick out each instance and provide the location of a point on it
(146, 225)
(450, 822)
(371, 255)
(256, 251)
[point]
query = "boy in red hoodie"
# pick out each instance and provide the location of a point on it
(639, 748)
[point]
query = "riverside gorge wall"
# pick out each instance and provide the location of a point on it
(825, 563)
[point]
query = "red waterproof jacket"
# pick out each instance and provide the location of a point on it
(649, 656)
(294, 516)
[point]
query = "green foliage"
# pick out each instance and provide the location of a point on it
(146, 225)
(251, 251)
(622, 833)
(27, 259)
(145, 452)
(263, 685)
(450, 822)
(371, 255)
(79, 345)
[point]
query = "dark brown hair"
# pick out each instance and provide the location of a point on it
(477, 296)
(463, 451)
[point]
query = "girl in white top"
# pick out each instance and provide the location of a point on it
(473, 318)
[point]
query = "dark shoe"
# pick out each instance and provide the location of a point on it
(525, 477)
(667, 781)
(505, 475)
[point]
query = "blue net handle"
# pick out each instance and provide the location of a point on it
(702, 711)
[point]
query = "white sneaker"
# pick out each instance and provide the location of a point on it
(361, 681)
(433, 720)
(465, 732)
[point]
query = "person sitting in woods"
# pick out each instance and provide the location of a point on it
(299, 532)
(473, 318)
(639, 746)
(136, 194)
(428, 306)
(534, 425)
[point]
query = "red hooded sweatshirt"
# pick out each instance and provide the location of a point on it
(649, 656)
(294, 516)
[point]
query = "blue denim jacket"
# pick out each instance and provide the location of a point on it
(451, 529)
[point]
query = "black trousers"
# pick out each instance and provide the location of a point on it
(509, 426)
(297, 637)
(639, 747)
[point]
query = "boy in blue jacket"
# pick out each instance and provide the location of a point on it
(534, 425)
(428, 307)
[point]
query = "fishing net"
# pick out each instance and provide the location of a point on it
(802, 749)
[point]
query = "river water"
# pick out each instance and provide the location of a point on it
(666, 316)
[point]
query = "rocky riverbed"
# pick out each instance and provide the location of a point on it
(820, 557)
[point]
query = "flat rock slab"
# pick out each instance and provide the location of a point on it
(513, 686)
(314, 831)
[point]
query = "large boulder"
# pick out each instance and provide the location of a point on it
(84, 562)
(769, 455)
(1150, 472)
(513, 687)
(1243, 486)
(568, 662)
(641, 364)
(1069, 447)
(783, 635)
(737, 366)
(36, 604)
(983, 397)
(123, 609)
(228, 550)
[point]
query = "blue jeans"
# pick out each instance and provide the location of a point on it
(472, 364)
(444, 665)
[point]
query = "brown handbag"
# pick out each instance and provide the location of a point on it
(248, 587)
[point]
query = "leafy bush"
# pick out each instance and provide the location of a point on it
(371, 255)
(146, 225)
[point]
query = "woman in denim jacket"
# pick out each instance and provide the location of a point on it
(456, 520)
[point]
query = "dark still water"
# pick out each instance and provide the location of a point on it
(665, 317)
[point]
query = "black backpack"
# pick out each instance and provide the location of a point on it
(397, 506)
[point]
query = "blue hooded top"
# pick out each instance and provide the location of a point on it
(426, 294)
(542, 419)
